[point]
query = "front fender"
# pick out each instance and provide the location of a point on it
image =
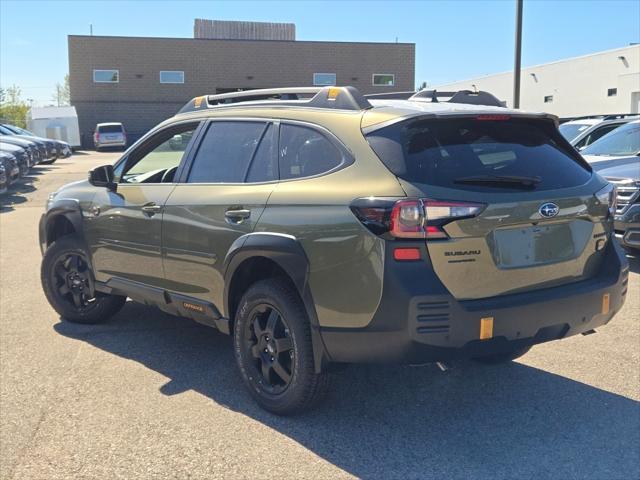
(68, 208)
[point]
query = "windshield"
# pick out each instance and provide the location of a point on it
(572, 130)
(5, 131)
(622, 141)
(13, 129)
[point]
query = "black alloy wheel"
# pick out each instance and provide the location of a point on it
(73, 280)
(270, 346)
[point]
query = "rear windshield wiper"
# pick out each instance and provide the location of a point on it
(500, 180)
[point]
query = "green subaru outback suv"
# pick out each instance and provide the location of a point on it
(318, 226)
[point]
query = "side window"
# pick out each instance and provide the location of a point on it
(305, 152)
(601, 132)
(157, 160)
(226, 152)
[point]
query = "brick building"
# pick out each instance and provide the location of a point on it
(141, 81)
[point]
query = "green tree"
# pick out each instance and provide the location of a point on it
(423, 86)
(13, 109)
(61, 95)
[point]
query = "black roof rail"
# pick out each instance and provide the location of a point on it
(616, 116)
(462, 96)
(340, 98)
(604, 116)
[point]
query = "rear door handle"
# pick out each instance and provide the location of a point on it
(151, 208)
(237, 216)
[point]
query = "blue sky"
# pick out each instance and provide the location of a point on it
(454, 39)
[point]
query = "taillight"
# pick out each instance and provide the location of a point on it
(609, 196)
(96, 137)
(412, 218)
(493, 117)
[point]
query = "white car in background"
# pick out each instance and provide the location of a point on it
(617, 147)
(109, 135)
(582, 132)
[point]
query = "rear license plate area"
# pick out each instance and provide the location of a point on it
(533, 245)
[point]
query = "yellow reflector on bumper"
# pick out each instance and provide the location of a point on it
(605, 303)
(486, 328)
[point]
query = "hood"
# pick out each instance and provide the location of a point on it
(624, 170)
(14, 140)
(601, 162)
(10, 147)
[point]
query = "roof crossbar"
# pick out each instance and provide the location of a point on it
(340, 98)
(462, 96)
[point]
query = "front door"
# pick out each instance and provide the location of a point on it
(124, 227)
(219, 199)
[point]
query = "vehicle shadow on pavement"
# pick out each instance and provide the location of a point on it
(15, 194)
(472, 421)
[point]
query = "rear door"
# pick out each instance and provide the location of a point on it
(219, 198)
(540, 223)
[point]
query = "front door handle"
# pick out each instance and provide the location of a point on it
(151, 208)
(237, 216)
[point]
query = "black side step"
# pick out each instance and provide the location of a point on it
(170, 302)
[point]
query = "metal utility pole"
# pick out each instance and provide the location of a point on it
(516, 68)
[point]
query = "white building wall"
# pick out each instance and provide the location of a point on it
(578, 85)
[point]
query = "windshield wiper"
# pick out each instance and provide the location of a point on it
(500, 180)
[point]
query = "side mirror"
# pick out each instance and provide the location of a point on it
(103, 177)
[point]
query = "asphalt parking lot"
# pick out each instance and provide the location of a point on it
(148, 395)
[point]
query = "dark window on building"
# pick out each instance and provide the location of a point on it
(548, 99)
(305, 152)
(383, 79)
(612, 92)
(225, 153)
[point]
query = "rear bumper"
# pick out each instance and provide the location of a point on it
(110, 144)
(627, 227)
(418, 320)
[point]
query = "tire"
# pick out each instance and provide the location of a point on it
(66, 277)
(503, 357)
(272, 341)
(48, 162)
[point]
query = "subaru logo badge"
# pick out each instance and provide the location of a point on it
(549, 210)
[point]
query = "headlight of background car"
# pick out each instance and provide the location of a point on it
(50, 199)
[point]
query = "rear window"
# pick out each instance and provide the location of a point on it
(110, 129)
(442, 152)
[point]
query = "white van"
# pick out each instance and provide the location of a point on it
(109, 135)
